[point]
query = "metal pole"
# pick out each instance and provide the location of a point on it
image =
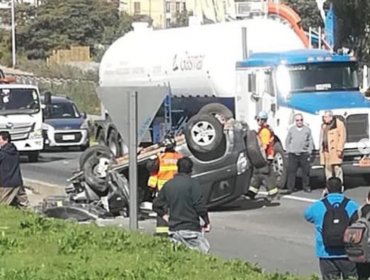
(13, 33)
(133, 211)
(320, 38)
(244, 42)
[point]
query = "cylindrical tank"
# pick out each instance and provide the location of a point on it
(195, 60)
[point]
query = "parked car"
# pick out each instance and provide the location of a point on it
(64, 125)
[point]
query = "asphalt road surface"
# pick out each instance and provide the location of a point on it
(275, 237)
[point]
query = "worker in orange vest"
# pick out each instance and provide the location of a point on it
(163, 169)
(266, 173)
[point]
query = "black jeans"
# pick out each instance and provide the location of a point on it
(335, 269)
(295, 161)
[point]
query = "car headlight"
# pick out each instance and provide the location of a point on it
(242, 163)
(46, 126)
(37, 133)
(84, 125)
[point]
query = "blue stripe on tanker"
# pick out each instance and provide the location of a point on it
(313, 102)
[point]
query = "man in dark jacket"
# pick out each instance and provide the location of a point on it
(11, 184)
(182, 196)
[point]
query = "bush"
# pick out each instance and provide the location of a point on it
(33, 247)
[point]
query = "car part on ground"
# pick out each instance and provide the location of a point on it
(204, 133)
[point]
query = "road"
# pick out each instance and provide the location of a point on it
(275, 237)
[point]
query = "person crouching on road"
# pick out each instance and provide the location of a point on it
(11, 184)
(331, 216)
(299, 146)
(163, 168)
(266, 173)
(182, 198)
(332, 140)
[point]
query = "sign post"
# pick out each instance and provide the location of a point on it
(132, 122)
(133, 211)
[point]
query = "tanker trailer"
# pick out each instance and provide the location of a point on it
(197, 62)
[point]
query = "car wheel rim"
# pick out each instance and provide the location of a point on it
(100, 170)
(203, 133)
(278, 166)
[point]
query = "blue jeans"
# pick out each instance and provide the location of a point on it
(192, 239)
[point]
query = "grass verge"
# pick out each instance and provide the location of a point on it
(32, 247)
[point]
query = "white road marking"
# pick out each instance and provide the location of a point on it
(293, 197)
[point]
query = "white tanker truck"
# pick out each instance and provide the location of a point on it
(248, 66)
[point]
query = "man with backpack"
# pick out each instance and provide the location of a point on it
(357, 241)
(331, 216)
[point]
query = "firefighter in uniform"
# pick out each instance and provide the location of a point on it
(162, 169)
(265, 174)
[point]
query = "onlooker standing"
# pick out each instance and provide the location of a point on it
(332, 140)
(299, 146)
(331, 216)
(363, 269)
(182, 196)
(11, 184)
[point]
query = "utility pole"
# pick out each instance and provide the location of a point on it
(13, 33)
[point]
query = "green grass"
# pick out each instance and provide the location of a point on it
(32, 247)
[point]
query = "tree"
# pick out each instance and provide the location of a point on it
(353, 24)
(308, 11)
(59, 24)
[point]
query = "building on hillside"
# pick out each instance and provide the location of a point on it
(163, 13)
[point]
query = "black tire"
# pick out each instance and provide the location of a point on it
(98, 150)
(256, 154)
(203, 133)
(33, 156)
(96, 181)
(216, 108)
(280, 165)
(115, 143)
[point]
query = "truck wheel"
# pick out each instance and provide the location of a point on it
(216, 108)
(114, 143)
(280, 165)
(33, 156)
(203, 133)
(98, 150)
(256, 154)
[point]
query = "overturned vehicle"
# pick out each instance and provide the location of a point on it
(223, 150)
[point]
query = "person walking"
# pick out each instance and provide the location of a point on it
(332, 140)
(266, 173)
(181, 202)
(331, 216)
(12, 191)
(163, 168)
(363, 269)
(299, 146)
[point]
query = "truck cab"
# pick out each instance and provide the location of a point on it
(307, 82)
(21, 115)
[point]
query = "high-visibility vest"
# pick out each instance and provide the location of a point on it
(167, 170)
(267, 143)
